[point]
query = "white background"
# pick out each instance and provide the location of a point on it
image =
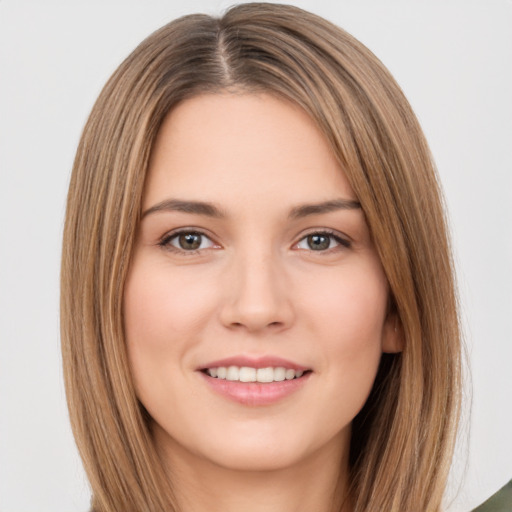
(454, 62)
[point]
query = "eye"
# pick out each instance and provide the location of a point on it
(322, 241)
(187, 241)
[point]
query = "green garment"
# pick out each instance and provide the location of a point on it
(499, 502)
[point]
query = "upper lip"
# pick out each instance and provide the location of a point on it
(255, 362)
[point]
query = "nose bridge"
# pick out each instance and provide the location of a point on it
(257, 295)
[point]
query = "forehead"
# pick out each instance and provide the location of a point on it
(235, 147)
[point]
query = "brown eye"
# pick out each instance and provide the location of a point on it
(189, 241)
(322, 242)
(186, 241)
(318, 242)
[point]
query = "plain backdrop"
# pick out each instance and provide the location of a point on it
(454, 61)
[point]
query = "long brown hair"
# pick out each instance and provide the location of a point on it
(403, 438)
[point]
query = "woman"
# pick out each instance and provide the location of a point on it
(258, 307)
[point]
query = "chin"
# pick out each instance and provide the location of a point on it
(265, 449)
(256, 459)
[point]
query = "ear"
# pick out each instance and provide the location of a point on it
(392, 334)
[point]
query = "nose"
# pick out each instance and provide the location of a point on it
(257, 296)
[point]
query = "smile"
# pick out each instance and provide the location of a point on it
(248, 374)
(255, 381)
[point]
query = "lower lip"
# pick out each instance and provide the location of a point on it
(255, 393)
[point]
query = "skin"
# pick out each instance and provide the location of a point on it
(255, 287)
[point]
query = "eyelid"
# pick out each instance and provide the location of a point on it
(341, 239)
(164, 241)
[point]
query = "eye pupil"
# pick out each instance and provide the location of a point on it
(190, 241)
(318, 242)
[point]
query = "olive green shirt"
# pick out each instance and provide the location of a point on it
(499, 502)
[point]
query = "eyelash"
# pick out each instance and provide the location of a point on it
(340, 241)
(166, 240)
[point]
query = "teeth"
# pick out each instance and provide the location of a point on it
(264, 375)
(233, 373)
(247, 374)
(279, 374)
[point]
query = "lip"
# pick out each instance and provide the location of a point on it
(255, 362)
(255, 393)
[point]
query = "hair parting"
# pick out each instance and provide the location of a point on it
(410, 420)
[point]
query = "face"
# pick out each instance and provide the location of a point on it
(255, 306)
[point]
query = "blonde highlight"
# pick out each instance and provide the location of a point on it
(409, 422)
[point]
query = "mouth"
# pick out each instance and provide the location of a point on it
(250, 374)
(256, 381)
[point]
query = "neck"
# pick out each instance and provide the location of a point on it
(318, 482)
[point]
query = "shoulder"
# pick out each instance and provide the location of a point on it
(499, 502)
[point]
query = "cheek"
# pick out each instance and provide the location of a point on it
(348, 319)
(349, 306)
(161, 306)
(165, 313)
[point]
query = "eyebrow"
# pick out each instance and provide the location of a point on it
(177, 205)
(327, 206)
(211, 210)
